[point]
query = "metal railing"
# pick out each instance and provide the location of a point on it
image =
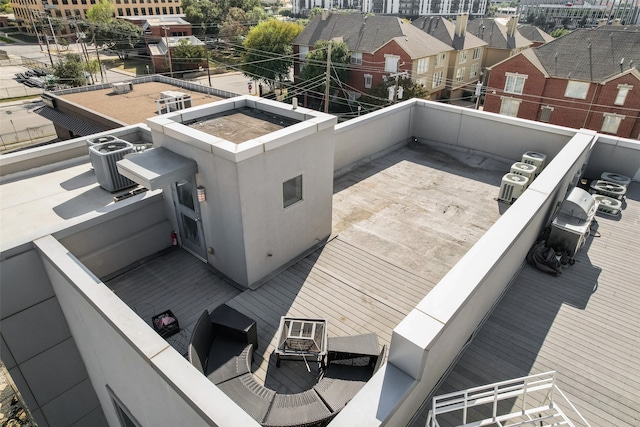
(534, 401)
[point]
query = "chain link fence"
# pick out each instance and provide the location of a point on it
(11, 139)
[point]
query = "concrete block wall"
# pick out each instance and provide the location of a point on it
(38, 348)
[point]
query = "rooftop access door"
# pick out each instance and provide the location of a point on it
(188, 215)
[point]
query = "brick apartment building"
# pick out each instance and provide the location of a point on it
(586, 79)
(502, 41)
(380, 47)
(465, 64)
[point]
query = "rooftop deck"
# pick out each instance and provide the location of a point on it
(404, 208)
(584, 324)
(135, 106)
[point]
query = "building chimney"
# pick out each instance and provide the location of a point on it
(325, 14)
(512, 25)
(461, 24)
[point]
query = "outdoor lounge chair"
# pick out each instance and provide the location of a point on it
(218, 355)
(342, 381)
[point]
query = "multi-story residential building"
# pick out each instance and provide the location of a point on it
(29, 12)
(381, 47)
(503, 41)
(386, 224)
(581, 12)
(465, 63)
(586, 79)
(408, 8)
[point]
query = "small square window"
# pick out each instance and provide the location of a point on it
(577, 90)
(510, 106)
(368, 79)
(292, 191)
(611, 123)
(545, 113)
(514, 83)
(623, 90)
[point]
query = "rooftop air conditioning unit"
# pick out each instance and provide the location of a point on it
(101, 140)
(608, 205)
(616, 178)
(122, 87)
(537, 159)
(512, 187)
(609, 189)
(104, 157)
(524, 169)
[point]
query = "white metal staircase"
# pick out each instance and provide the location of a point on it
(526, 401)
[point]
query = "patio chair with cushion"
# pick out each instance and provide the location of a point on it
(218, 355)
(342, 381)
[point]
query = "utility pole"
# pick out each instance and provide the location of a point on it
(328, 79)
(53, 34)
(478, 93)
(46, 39)
(166, 38)
(33, 22)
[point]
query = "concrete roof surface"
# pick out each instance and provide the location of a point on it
(135, 106)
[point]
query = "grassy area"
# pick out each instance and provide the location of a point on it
(19, 98)
(6, 40)
(27, 38)
(137, 66)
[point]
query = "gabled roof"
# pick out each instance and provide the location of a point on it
(534, 34)
(495, 34)
(368, 34)
(530, 55)
(445, 31)
(570, 57)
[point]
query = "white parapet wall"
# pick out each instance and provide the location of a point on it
(426, 342)
(125, 359)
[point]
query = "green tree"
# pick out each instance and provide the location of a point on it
(559, 32)
(379, 95)
(5, 6)
(118, 35)
(186, 56)
(268, 51)
(70, 70)
(315, 65)
(233, 26)
(101, 12)
(203, 16)
(315, 11)
(256, 15)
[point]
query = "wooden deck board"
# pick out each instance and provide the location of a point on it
(584, 324)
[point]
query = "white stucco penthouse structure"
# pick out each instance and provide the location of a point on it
(81, 356)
